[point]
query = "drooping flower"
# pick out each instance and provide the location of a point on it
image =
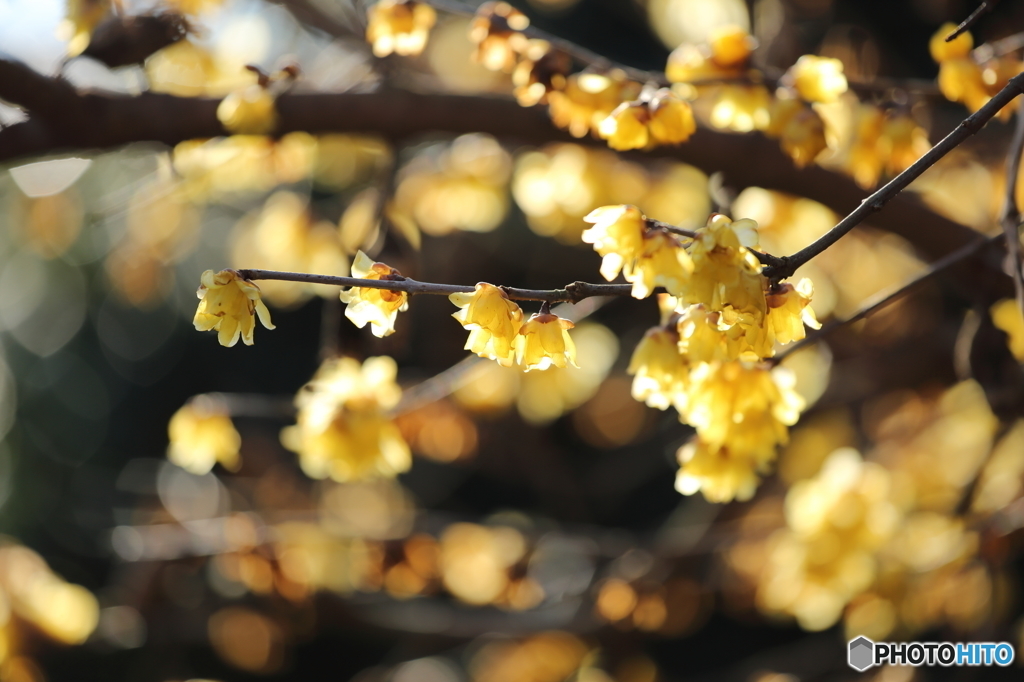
(800, 129)
(399, 26)
(818, 79)
(343, 430)
(588, 99)
(617, 235)
(229, 304)
(493, 320)
(660, 372)
(201, 434)
(789, 311)
(663, 262)
(703, 337)
(544, 342)
(378, 307)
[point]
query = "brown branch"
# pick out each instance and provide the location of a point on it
(985, 7)
(876, 201)
(1009, 216)
(572, 293)
(64, 120)
(885, 299)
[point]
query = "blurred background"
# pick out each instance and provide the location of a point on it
(537, 536)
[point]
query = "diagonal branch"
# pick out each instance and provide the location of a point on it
(969, 126)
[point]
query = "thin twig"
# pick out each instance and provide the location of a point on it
(572, 293)
(969, 126)
(885, 299)
(984, 8)
(1009, 216)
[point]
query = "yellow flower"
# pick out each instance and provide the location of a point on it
(866, 151)
(249, 111)
(201, 434)
(626, 127)
(789, 310)
(800, 129)
(671, 118)
(343, 430)
(903, 142)
(663, 262)
(703, 337)
(958, 48)
(743, 408)
(399, 26)
(497, 32)
(1006, 315)
(228, 304)
(818, 79)
(731, 46)
(378, 307)
(718, 474)
(617, 235)
(741, 108)
(493, 320)
(541, 70)
(726, 273)
(661, 118)
(660, 372)
(81, 18)
(544, 341)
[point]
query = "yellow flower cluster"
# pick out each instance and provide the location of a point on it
(657, 118)
(817, 79)
(722, 317)
(399, 26)
(497, 32)
(879, 140)
(963, 79)
(343, 430)
(837, 521)
(588, 99)
(377, 307)
(201, 434)
(497, 331)
(229, 305)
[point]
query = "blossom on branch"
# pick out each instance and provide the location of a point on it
(399, 26)
(378, 307)
(230, 304)
(655, 119)
(544, 342)
(493, 320)
(817, 79)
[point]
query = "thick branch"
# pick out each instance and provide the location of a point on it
(876, 201)
(572, 293)
(64, 120)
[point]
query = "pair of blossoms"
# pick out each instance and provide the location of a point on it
(721, 317)
(230, 305)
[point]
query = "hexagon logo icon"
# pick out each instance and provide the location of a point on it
(861, 654)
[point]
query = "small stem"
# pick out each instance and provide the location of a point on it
(883, 300)
(876, 201)
(681, 231)
(984, 8)
(572, 293)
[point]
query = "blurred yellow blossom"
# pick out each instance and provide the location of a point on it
(663, 262)
(81, 17)
(958, 48)
(800, 129)
(963, 79)
(789, 311)
(201, 434)
(818, 79)
(544, 342)
(588, 99)
(719, 475)
(1006, 315)
(658, 118)
(731, 45)
(541, 70)
(229, 305)
(497, 33)
(248, 111)
(378, 307)
(399, 26)
(493, 320)
(343, 430)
